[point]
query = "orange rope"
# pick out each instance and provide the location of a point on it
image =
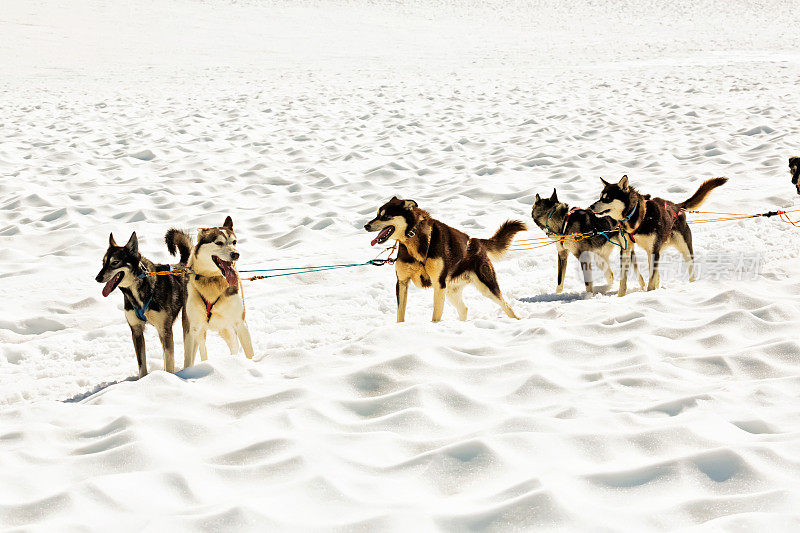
(178, 272)
(541, 242)
(737, 214)
(723, 219)
(785, 218)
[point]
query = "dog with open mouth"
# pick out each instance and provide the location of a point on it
(147, 299)
(215, 299)
(433, 254)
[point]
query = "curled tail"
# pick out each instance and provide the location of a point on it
(179, 241)
(500, 241)
(700, 196)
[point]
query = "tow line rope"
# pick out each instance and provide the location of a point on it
(540, 242)
(517, 245)
(286, 271)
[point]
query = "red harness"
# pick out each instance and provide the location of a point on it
(566, 219)
(209, 305)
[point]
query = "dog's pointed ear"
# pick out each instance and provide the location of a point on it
(554, 196)
(111, 241)
(228, 223)
(605, 183)
(538, 198)
(623, 183)
(408, 204)
(133, 244)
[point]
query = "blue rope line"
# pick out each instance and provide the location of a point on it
(622, 234)
(309, 268)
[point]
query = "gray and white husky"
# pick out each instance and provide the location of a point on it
(215, 299)
(652, 223)
(148, 299)
(556, 218)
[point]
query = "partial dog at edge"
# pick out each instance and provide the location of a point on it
(431, 253)
(556, 218)
(215, 299)
(794, 168)
(147, 299)
(652, 223)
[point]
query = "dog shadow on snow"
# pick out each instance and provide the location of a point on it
(197, 371)
(605, 290)
(97, 388)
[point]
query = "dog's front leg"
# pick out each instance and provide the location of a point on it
(624, 262)
(401, 291)
(168, 345)
(244, 337)
(137, 334)
(189, 347)
(586, 270)
(563, 255)
(201, 344)
(188, 340)
(438, 302)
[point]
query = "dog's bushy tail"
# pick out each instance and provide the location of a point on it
(501, 240)
(178, 241)
(700, 196)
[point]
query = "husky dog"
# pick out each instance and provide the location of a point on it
(215, 299)
(652, 223)
(147, 298)
(556, 218)
(794, 168)
(431, 253)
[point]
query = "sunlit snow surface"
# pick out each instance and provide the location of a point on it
(665, 410)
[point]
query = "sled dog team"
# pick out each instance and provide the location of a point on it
(209, 294)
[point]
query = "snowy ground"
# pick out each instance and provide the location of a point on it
(673, 409)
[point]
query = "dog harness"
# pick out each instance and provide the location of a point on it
(140, 312)
(627, 218)
(566, 219)
(671, 224)
(209, 305)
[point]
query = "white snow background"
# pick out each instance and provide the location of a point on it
(677, 409)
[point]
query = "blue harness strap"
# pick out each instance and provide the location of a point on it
(627, 218)
(140, 312)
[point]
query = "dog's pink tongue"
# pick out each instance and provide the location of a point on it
(382, 233)
(230, 274)
(109, 286)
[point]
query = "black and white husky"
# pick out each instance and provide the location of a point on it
(652, 223)
(557, 219)
(152, 299)
(214, 299)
